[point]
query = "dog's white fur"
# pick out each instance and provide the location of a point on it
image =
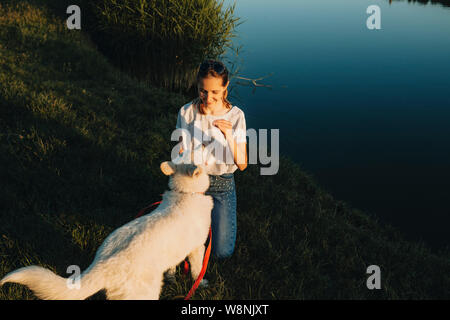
(132, 260)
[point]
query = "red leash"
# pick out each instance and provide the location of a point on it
(186, 266)
(146, 208)
(205, 265)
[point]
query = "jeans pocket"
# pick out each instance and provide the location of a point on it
(221, 183)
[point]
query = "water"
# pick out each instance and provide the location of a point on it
(367, 112)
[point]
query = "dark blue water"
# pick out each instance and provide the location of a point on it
(367, 112)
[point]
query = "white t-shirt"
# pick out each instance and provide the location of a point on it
(199, 131)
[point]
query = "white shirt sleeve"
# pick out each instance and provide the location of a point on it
(239, 129)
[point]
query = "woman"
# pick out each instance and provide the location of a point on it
(224, 126)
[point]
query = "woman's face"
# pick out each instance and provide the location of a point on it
(211, 91)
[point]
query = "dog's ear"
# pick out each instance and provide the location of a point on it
(168, 168)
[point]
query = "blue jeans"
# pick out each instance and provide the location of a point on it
(223, 217)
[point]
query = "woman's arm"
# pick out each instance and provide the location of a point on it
(239, 150)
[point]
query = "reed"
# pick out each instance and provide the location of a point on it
(162, 42)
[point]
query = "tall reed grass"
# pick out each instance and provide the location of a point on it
(162, 42)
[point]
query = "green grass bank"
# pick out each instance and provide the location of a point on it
(80, 149)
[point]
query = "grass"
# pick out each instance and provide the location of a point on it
(80, 148)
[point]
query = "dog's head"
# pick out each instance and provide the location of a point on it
(186, 177)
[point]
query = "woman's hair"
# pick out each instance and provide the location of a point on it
(212, 68)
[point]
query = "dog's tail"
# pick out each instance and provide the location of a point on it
(47, 285)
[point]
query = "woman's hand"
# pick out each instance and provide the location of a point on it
(224, 126)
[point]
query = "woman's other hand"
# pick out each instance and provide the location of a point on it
(224, 126)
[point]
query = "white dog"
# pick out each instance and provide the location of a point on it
(132, 260)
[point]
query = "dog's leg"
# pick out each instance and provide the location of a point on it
(143, 288)
(154, 288)
(196, 260)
